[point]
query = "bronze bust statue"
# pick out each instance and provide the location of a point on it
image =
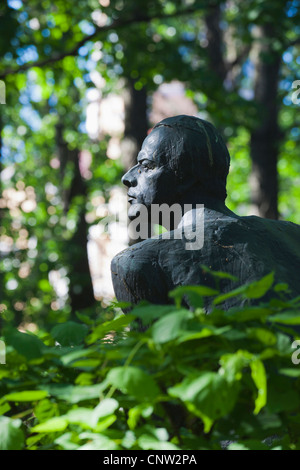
(184, 161)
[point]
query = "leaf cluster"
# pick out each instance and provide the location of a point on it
(190, 381)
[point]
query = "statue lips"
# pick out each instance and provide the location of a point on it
(131, 198)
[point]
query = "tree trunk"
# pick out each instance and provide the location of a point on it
(215, 44)
(266, 136)
(136, 123)
(81, 289)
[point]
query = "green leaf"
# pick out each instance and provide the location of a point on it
(147, 313)
(219, 274)
(65, 441)
(11, 436)
(52, 425)
(234, 293)
(204, 333)
(105, 423)
(79, 416)
(136, 412)
(4, 408)
(32, 440)
(195, 294)
(97, 442)
(284, 343)
(75, 394)
(118, 324)
(89, 418)
(289, 372)
(27, 395)
(263, 335)
(208, 395)
(128, 440)
(69, 333)
(105, 408)
(233, 364)
(148, 442)
(250, 444)
(286, 318)
(169, 327)
(45, 409)
(28, 345)
(86, 364)
(281, 287)
(84, 318)
(75, 354)
(258, 289)
(134, 381)
(255, 290)
(259, 377)
(247, 314)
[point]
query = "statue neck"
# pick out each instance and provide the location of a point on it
(209, 203)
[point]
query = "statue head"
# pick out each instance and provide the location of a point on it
(182, 156)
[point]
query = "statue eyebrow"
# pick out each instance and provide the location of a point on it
(141, 158)
(155, 155)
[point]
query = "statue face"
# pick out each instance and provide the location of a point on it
(151, 181)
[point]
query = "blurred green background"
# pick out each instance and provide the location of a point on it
(84, 83)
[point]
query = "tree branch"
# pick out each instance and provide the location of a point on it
(119, 23)
(294, 42)
(215, 42)
(240, 58)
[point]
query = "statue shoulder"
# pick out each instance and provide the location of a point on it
(137, 275)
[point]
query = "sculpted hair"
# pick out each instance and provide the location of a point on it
(196, 150)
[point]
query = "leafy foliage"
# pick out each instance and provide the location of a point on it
(190, 381)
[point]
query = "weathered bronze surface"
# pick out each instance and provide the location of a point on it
(184, 160)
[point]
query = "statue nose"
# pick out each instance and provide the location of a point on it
(129, 178)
